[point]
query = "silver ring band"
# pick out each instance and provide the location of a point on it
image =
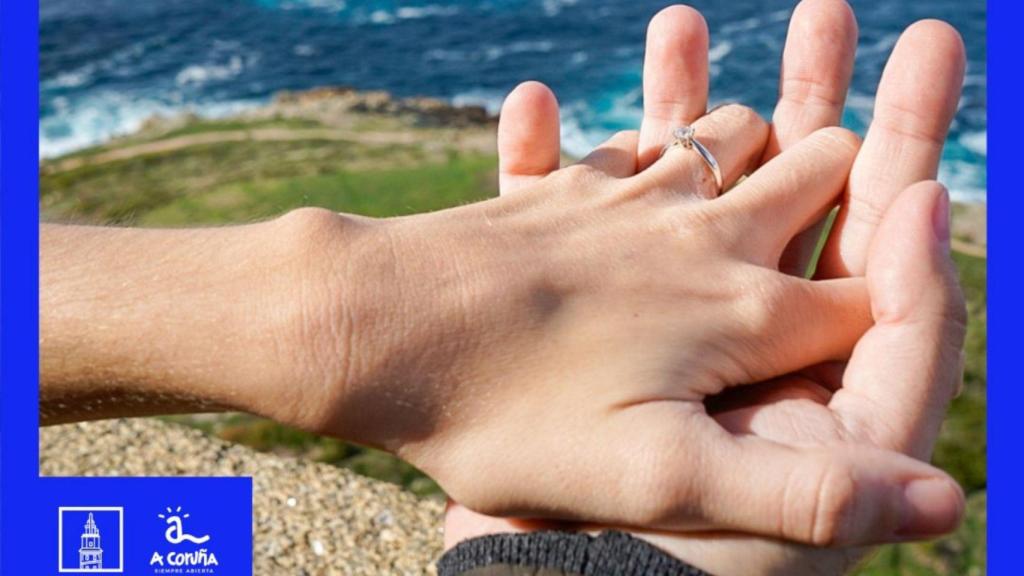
(684, 137)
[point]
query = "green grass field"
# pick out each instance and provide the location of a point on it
(246, 181)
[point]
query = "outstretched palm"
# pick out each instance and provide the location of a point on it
(893, 392)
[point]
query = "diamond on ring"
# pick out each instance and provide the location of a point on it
(685, 137)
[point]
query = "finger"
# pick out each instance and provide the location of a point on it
(616, 157)
(904, 372)
(816, 68)
(675, 77)
(788, 323)
(789, 193)
(916, 100)
(735, 135)
(528, 136)
(838, 495)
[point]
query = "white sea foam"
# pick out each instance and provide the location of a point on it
(719, 51)
(744, 25)
(72, 79)
(119, 63)
(966, 181)
(555, 7)
(519, 47)
(325, 5)
(198, 74)
(104, 115)
(431, 10)
(883, 45)
(445, 55)
(577, 141)
(495, 52)
(382, 17)
(976, 142)
(491, 100)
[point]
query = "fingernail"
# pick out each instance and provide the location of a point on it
(940, 217)
(931, 507)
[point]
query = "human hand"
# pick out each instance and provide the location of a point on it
(898, 151)
(616, 303)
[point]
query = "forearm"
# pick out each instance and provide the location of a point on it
(137, 322)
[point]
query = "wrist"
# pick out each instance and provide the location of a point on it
(137, 321)
(394, 318)
(310, 357)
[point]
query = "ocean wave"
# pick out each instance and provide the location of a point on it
(429, 11)
(882, 46)
(578, 140)
(966, 181)
(100, 117)
(719, 50)
(368, 13)
(324, 5)
(198, 74)
(491, 100)
(754, 22)
(119, 63)
(555, 7)
(976, 142)
(495, 52)
(72, 79)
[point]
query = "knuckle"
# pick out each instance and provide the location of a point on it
(809, 91)
(627, 135)
(867, 209)
(836, 138)
(577, 173)
(821, 519)
(740, 114)
(766, 298)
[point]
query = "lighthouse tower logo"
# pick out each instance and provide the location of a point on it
(90, 555)
(91, 539)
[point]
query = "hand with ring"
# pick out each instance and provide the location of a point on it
(893, 391)
(546, 353)
(554, 353)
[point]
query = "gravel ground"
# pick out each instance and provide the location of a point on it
(308, 518)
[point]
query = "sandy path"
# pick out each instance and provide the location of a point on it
(257, 135)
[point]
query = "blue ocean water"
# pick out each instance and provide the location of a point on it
(107, 65)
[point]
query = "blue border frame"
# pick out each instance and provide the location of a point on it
(19, 249)
(1005, 317)
(19, 238)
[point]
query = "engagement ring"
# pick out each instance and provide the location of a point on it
(685, 138)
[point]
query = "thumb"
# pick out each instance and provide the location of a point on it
(836, 495)
(907, 367)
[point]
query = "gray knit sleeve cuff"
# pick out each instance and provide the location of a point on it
(561, 553)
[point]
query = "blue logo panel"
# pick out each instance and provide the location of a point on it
(142, 526)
